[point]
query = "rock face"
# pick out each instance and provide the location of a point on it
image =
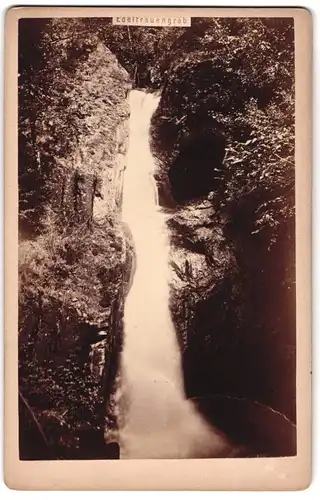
(232, 302)
(73, 251)
(91, 186)
(207, 296)
(203, 262)
(231, 218)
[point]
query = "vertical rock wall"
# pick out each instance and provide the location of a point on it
(73, 252)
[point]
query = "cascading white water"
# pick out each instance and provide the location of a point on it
(157, 420)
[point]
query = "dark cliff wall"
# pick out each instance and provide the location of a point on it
(224, 137)
(73, 116)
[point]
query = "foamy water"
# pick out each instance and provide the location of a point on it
(157, 420)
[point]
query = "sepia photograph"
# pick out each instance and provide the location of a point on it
(158, 249)
(157, 280)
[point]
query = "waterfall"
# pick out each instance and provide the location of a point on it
(157, 420)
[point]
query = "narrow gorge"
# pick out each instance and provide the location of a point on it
(156, 239)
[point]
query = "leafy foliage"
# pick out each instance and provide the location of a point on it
(237, 80)
(72, 272)
(70, 103)
(67, 288)
(143, 51)
(65, 399)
